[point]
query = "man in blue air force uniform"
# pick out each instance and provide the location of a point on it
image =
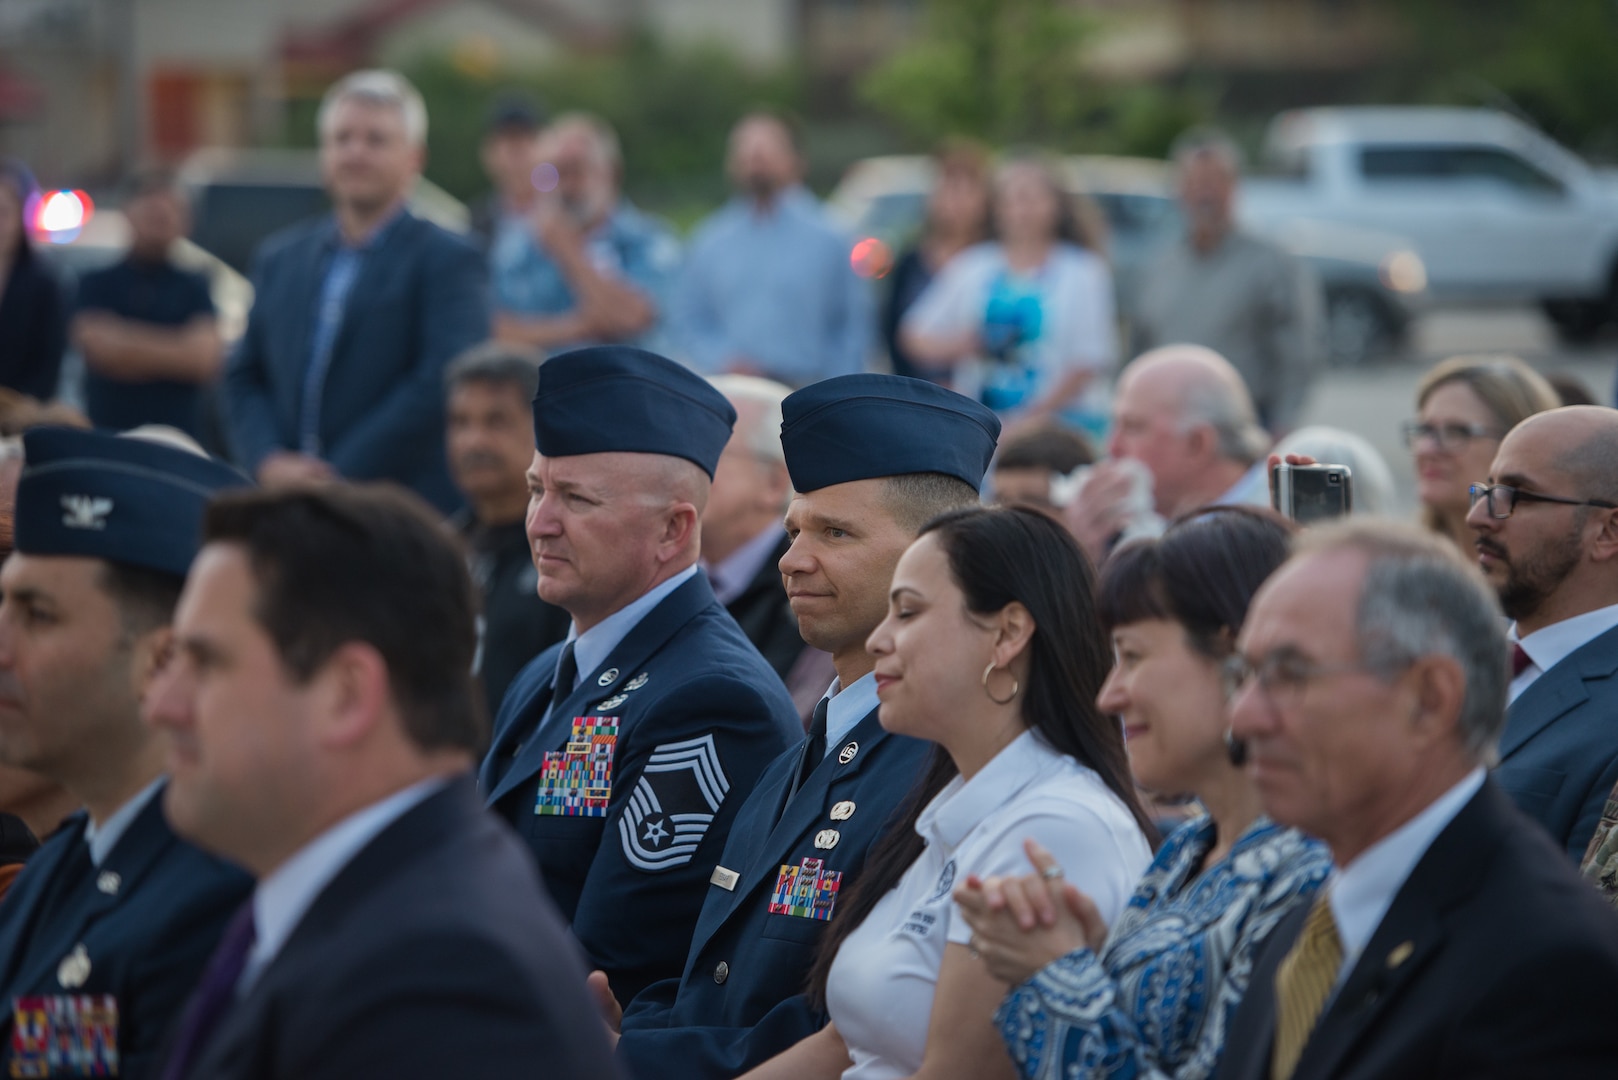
(622, 754)
(111, 922)
(873, 458)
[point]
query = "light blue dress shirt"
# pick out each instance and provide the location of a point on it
(591, 648)
(775, 289)
(104, 837)
(848, 707)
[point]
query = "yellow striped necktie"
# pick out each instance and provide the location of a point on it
(1303, 982)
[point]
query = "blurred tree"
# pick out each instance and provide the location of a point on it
(1553, 61)
(999, 70)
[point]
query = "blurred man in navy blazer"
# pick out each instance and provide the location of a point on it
(111, 921)
(340, 372)
(322, 720)
(1547, 539)
(622, 754)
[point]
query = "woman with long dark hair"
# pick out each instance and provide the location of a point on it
(1153, 997)
(33, 327)
(991, 650)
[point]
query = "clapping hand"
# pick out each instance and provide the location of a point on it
(1020, 924)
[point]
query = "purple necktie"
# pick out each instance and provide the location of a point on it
(215, 994)
(1520, 660)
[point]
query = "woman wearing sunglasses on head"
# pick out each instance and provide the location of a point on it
(991, 650)
(1153, 996)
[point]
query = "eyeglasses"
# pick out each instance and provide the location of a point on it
(1503, 499)
(1283, 676)
(1450, 437)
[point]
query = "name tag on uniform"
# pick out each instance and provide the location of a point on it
(64, 1035)
(577, 781)
(725, 879)
(807, 890)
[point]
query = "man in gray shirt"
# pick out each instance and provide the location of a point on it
(1241, 296)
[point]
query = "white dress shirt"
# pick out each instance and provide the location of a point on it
(283, 898)
(880, 990)
(1362, 891)
(104, 837)
(848, 707)
(1552, 644)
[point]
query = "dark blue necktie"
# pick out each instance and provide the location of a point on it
(215, 994)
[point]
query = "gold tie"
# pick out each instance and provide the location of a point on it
(1303, 982)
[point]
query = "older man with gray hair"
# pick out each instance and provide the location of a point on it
(1182, 417)
(743, 540)
(340, 372)
(1453, 938)
(1220, 287)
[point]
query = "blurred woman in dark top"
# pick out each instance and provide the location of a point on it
(957, 218)
(33, 325)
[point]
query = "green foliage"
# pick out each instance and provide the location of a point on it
(1000, 70)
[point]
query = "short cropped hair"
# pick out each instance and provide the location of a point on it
(763, 439)
(1422, 598)
(145, 598)
(378, 86)
(1198, 141)
(917, 498)
(495, 362)
(369, 563)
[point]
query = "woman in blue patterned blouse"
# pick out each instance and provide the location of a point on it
(1154, 997)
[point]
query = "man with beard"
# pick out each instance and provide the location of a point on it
(341, 370)
(767, 287)
(590, 267)
(1547, 525)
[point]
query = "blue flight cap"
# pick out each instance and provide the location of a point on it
(859, 427)
(614, 398)
(126, 500)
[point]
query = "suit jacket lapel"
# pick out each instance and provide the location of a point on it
(377, 265)
(1411, 931)
(25, 905)
(648, 636)
(1558, 691)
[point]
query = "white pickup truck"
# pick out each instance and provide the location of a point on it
(1496, 210)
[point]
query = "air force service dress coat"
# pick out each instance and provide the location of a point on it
(627, 789)
(739, 1000)
(1559, 749)
(138, 928)
(432, 953)
(1493, 960)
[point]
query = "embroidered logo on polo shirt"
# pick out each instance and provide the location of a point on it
(577, 781)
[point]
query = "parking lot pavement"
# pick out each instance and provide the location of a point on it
(1374, 401)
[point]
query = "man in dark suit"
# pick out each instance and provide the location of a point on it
(1547, 540)
(1453, 939)
(873, 458)
(355, 316)
(622, 755)
(321, 720)
(742, 538)
(110, 922)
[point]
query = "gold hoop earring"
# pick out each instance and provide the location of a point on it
(1016, 687)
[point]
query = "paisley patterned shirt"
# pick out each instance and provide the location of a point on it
(1158, 998)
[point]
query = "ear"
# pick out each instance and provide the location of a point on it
(679, 531)
(152, 652)
(1015, 630)
(1439, 685)
(353, 694)
(1201, 441)
(1604, 547)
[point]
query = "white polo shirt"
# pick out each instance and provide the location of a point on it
(880, 990)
